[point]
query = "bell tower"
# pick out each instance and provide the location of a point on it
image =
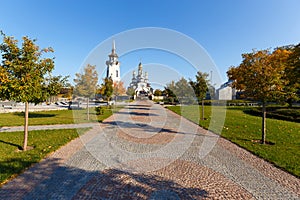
(113, 65)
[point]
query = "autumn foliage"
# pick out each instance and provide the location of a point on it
(262, 77)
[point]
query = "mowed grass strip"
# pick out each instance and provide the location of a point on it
(54, 117)
(13, 161)
(243, 129)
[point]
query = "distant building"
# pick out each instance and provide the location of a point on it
(113, 65)
(139, 83)
(226, 92)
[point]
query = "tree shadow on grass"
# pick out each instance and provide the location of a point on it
(52, 180)
(11, 144)
(35, 115)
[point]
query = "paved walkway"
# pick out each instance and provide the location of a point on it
(147, 152)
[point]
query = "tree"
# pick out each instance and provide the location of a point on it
(130, 92)
(200, 88)
(118, 88)
(169, 92)
(180, 90)
(157, 92)
(25, 74)
(55, 84)
(211, 91)
(86, 84)
(200, 85)
(261, 77)
(107, 88)
(66, 91)
(292, 75)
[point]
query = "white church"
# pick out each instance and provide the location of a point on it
(139, 82)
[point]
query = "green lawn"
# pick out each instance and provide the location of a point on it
(54, 117)
(44, 141)
(13, 162)
(242, 129)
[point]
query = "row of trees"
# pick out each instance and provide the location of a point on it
(268, 76)
(264, 76)
(187, 91)
(86, 85)
(25, 74)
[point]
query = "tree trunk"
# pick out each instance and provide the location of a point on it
(88, 109)
(25, 127)
(263, 129)
(202, 109)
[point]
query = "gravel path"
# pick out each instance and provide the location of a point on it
(147, 152)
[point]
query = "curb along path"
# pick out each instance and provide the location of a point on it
(147, 152)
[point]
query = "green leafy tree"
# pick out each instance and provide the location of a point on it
(55, 84)
(107, 88)
(130, 92)
(86, 83)
(169, 92)
(157, 92)
(200, 88)
(200, 85)
(25, 74)
(181, 90)
(261, 77)
(184, 91)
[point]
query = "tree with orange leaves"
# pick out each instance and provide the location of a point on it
(261, 76)
(118, 88)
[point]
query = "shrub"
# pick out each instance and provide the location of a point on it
(100, 110)
(287, 114)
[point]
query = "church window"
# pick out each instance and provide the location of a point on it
(117, 73)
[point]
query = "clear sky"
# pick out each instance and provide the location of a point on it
(224, 28)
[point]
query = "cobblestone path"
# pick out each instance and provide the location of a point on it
(147, 152)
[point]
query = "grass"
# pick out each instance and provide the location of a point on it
(54, 117)
(44, 142)
(13, 162)
(242, 129)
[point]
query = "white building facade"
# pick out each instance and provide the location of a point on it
(226, 92)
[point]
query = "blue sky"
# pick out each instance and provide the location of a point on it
(224, 28)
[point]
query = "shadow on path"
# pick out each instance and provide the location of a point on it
(143, 126)
(138, 108)
(139, 105)
(119, 184)
(50, 180)
(138, 114)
